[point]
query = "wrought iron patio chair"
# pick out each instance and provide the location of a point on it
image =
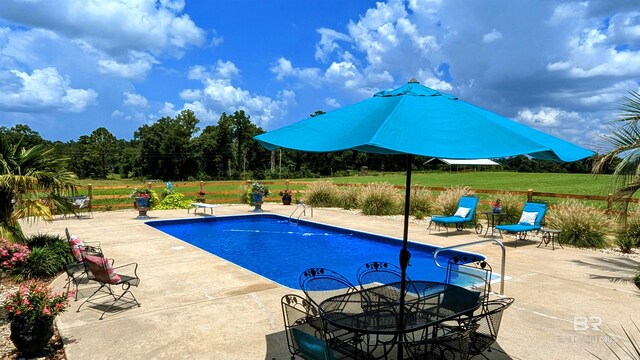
(486, 326)
(532, 219)
(444, 343)
(77, 272)
(102, 271)
(464, 269)
(319, 284)
(378, 273)
(303, 329)
(465, 213)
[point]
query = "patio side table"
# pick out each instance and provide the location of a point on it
(493, 219)
(550, 236)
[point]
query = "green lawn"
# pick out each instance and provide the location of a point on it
(579, 184)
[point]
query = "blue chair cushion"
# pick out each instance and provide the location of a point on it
(517, 227)
(447, 219)
(312, 347)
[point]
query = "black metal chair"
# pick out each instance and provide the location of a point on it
(101, 270)
(486, 326)
(467, 268)
(303, 328)
(378, 273)
(77, 272)
(319, 284)
(445, 343)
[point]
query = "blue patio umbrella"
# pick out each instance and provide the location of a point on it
(417, 120)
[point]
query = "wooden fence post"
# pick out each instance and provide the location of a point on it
(201, 186)
(609, 205)
(287, 184)
(529, 195)
(90, 195)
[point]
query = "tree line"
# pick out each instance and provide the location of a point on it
(174, 148)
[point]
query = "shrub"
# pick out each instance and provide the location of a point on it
(633, 228)
(581, 225)
(380, 199)
(624, 243)
(174, 201)
(446, 203)
(12, 254)
(42, 263)
(420, 202)
(323, 193)
(57, 246)
(350, 197)
(419, 215)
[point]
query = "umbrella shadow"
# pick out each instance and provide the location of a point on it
(623, 268)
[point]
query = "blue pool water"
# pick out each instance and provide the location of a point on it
(273, 247)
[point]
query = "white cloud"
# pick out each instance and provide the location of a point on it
(283, 68)
(327, 44)
(41, 91)
(168, 109)
(438, 84)
(136, 69)
(332, 102)
(220, 95)
(226, 69)
(546, 117)
(492, 36)
(135, 100)
(143, 25)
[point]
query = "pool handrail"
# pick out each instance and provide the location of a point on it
(502, 265)
(303, 212)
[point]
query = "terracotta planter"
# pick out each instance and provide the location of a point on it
(30, 340)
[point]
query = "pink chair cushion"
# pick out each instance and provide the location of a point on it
(76, 247)
(101, 268)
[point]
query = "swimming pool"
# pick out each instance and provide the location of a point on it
(271, 246)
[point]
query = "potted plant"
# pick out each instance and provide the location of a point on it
(286, 196)
(144, 200)
(496, 206)
(258, 192)
(201, 196)
(31, 310)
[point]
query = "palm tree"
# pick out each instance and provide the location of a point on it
(31, 182)
(624, 143)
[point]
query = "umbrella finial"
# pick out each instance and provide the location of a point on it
(414, 81)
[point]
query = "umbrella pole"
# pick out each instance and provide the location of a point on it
(405, 255)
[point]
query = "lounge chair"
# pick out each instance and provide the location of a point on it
(466, 213)
(531, 220)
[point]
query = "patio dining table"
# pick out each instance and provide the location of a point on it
(372, 314)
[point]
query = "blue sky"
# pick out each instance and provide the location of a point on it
(70, 66)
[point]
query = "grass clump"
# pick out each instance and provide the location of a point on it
(420, 202)
(581, 225)
(512, 205)
(49, 256)
(380, 199)
(323, 194)
(350, 197)
(446, 203)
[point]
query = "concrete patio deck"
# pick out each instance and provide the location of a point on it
(196, 305)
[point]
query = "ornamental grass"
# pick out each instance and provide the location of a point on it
(446, 203)
(322, 194)
(381, 199)
(581, 225)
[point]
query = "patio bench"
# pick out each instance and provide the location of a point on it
(205, 206)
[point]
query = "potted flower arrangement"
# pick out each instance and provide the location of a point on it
(496, 206)
(31, 310)
(145, 199)
(201, 196)
(258, 192)
(286, 196)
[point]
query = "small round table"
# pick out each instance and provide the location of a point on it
(550, 235)
(493, 219)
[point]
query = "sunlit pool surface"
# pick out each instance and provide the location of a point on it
(274, 247)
